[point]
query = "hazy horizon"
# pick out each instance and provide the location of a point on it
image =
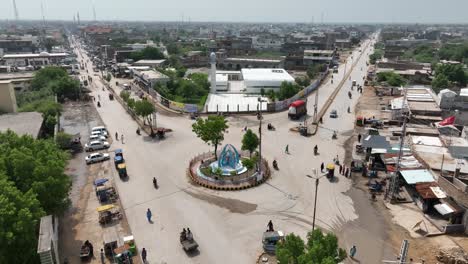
(260, 11)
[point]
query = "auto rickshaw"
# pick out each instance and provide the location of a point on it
(110, 241)
(330, 171)
(122, 169)
(108, 213)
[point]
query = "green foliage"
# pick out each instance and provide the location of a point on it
(421, 53)
(314, 70)
(248, 163)
(272, 95)
(303, 81)
(108, 77)
(320, 249)
(144, 109)
(455, 52)
(288, 90)
(131, 103)
(440, 82)
(63, 140)
(454, 73)
(250, 141)
(65, 87)
(20, 213)
(193, 90)
(378, 53)
(211, 130)
(391, 78)
(45, 75)
(148, 53)
(173, 48)
(125, 95)
(49, 110)
(218, 171)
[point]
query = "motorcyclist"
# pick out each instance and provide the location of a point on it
(275, 164)
(315, 150)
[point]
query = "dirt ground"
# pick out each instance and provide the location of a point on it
(80, 222)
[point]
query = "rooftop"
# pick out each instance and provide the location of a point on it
(153, 74)
(252, 60)
(140, 62)
(417, 176)
(26, 123)
(329, 52)
(266, 75)
(34, 55)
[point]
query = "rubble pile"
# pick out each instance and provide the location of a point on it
(452, 257)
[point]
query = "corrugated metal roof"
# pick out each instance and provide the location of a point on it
(417, 176)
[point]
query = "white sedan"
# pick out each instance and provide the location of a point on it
(96, 157)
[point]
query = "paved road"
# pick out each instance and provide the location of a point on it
(228, 225)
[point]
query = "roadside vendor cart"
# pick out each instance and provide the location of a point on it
(108, 213)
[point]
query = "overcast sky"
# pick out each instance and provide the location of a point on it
(397, 11)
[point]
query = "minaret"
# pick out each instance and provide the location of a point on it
(213, 72)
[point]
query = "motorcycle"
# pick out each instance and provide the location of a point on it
(270, 127)
(155, 183)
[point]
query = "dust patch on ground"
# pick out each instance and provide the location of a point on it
(233, 205)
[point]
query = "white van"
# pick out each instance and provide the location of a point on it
(99, 128)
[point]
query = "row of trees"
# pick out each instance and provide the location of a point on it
(148, 53)
(32, 184)
(391, 78)
(142, 108)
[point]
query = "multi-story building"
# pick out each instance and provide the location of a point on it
(18, 44)
(33, 59)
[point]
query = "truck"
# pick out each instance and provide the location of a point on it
(297, 109)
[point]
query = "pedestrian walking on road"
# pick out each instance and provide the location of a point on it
(103, 257)
(322, 166)
(116, 136)
(270, 226)
(149, 215)
(286, 150)
(352, 251)
(347, 172)
(121, 138)
(341, 169)
(143, 255)
(359, 137)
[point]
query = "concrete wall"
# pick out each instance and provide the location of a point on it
(458, 195)
(7, 97)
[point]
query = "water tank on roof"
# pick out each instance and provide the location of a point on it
(446, 98)
(44, 53)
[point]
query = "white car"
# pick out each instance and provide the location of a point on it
(96, 157)
(96, 145)
(97, 137)
(99, 133)
(99, 128)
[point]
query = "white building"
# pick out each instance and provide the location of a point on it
(34, 59)
(150, 78)
(260, 43)
(268, 79)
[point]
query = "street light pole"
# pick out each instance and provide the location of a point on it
(316, 192)
(260, 117)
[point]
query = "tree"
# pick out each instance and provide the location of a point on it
(378, 53)
(303, 81)
(65, 87)
(250, 141)
(63, 140)
(288, 90)
(19, 218)
(45, 75)
(108, 77)
(320, 249)
(148, 53)
(211, 130)
(391, 78)
(454, 73)
(125, 95)
(173, 48)
(440, 82)
(145, 109)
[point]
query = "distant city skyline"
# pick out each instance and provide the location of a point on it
(338, 11)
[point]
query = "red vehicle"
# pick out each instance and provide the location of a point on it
(297, 109)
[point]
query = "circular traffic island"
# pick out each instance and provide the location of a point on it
(229, 172)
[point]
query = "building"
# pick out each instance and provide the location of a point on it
(21, 81)
(140, 46)
(150, 63)
(267, 43)
(33, 59)
(149, 78)
(267, 79)
(236, 46)
(343, 43)
(240, 63)
(47, 246)
(18, 44)
(312, 57)
(7, 97)
(24, 123)
(194, 58)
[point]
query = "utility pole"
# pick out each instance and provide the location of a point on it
(316, 104)
(393, 188)
(260, 117)
(316, 191)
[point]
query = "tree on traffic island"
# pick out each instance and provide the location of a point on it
(211, 130)
(250, 141)
(320, 248)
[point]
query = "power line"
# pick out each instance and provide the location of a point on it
(15, 10)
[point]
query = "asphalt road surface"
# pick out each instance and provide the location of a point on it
(228, 225)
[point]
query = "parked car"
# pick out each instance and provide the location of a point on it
(100, 133)
(99, 128)
(97, 137)
(96, 157)
(96, 145)
(333, 114)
